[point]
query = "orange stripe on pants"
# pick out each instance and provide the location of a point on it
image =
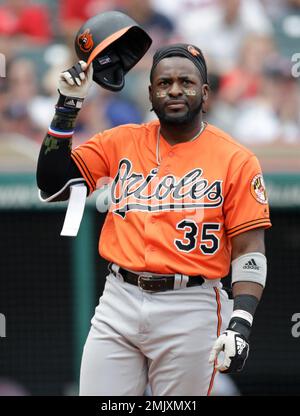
(218, 334)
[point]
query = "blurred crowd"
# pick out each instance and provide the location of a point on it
(249, 46)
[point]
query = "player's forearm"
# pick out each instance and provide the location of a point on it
(246, 297)
(247, 288)
(55, 166)
(248, 278)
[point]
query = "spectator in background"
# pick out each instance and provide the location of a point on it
(73, 13)
(94, 115)
(273, 115)
(280, 8)
(243, 81)
(120, 111)
(21, 90)
(287, 28)
(76, 11)
(274, 8)
(104, 110)
(55, 59)
(219, 31)
(293, 5)
(159, 27)
(218, 112)
(23, 22)
(177, 9)
(3, 100)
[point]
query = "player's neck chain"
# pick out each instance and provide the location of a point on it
(158, 157)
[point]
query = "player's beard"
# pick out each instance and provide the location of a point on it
(186, 118)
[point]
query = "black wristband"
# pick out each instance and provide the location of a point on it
(246, 303)
(241, 326)
(69, 103)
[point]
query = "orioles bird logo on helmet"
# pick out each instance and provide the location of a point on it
(85, 41)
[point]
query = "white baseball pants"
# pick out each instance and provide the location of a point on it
(163, 339)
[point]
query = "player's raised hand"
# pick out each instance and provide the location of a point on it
(235, 349)
(76, 81)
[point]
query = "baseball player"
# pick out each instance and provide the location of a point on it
(187, 201)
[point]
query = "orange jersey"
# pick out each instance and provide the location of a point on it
(176, 216)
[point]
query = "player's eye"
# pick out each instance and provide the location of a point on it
(163, 83)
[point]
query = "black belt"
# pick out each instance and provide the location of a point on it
(152, 283)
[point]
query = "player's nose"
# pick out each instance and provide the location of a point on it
(175, 90)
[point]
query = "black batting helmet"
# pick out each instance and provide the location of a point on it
(114, 43)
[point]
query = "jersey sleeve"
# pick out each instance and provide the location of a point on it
(246, 204)
(92, 161)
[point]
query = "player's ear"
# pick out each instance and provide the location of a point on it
(150, 96)
(205, 92)
(150, 93)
